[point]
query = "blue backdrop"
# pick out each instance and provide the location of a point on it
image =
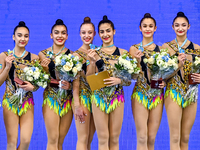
(40, 15)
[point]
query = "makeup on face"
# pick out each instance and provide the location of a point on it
(87, 33)
(59, 35)
(21, 37)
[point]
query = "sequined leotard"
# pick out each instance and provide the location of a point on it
(50, 93)
(140, 92)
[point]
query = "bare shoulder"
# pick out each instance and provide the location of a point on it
(196, 46)
(3, 55)
(76, 54)
(34, 56)
(132, 49)
(165, 45)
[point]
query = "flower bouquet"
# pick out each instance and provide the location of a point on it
(195, 69)
(161, 66)
(125, 67)
(35, 75)
(192, 92)
(68, 67)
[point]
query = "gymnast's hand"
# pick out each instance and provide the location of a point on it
(65, 85)
(93, 56)
(181, 58)
(162, 85)
(80, 114)
(195, 77)
(9, 60)
(44, 63)
(112, 81)
(138, 54)
(27, 86)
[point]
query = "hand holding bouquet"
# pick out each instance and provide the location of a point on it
(33, 74)
(192, 91)
(161, 65)
(195, 69)
(68, 67)
(126, 67)
(36, 75)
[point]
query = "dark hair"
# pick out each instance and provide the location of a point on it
(147, 15)
(21, 24)
(180, 14)
(58, 22)
(87, 20)
(105, 20)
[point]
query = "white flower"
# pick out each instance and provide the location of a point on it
(68, 56)
(160, 63)
(145, 60)
(76, 58)
(30, 79)
(39, 83)
(26, 69)
(134, 65)
(58, 60)
(36, 75)
(67, 67)
(46, 76)
(44, 85)
(170, 62)
(175, 66)
(74, 70)
(151, 60)
(79, 66)
(120, 59)
(130, 71)
(134, 59)
(37, 69)
(165, 65)
(138, 71)
(29, 72)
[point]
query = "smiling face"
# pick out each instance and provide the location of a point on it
(181, 26)
(21, 37)
(59, 35)
(148, 27)
(87, 33)
(106, 33)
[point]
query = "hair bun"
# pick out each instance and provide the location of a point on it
(59, 22)
(180, 14)
(105, 17)
(22, 24)
(87, 20)
(147, 15)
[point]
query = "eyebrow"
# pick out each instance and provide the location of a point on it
(60, 31)
(148, 24)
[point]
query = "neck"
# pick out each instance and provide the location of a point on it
(19, 50)
(107, 44)
(181, 39)
(85, 46)
(57, 48)
(146, 40)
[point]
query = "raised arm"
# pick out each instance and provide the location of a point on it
(92, 58)
(5, 65)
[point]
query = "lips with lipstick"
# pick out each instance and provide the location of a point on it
(106, 38)
(59, 40)
(180, 31)
(147, 32)
(87, 40)
(22, 43)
